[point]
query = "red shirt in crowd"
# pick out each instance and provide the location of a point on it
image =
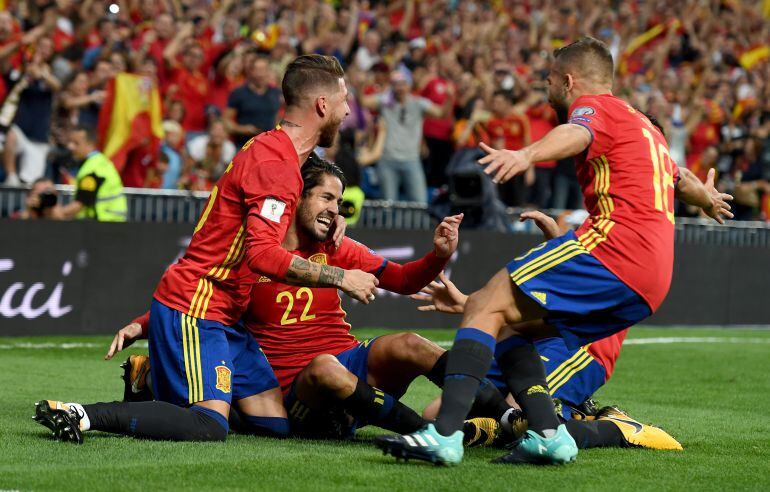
(193, 92)
(436, 91)
(511, 132)
(542, 119)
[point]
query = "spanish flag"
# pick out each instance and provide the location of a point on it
(642, 41)
(130, 117)
(753, 56)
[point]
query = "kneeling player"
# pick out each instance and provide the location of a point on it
(333, 382)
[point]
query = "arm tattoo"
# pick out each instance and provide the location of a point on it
(303, 272)
(331, 275)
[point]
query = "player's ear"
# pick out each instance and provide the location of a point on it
(569, 82)
(321, 106)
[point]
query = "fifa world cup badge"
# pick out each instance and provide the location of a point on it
(224, 379)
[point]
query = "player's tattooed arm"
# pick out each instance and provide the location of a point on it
(357, 284)
(304, 272)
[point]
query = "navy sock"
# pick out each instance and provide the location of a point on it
(468, 362)
(265, 426)
(524, 373)
(158, 420)
(376, 407)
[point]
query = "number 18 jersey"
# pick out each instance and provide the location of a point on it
(628, 178)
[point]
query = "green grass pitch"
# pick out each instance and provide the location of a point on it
(711, 392)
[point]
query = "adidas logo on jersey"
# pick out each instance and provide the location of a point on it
(540, 296)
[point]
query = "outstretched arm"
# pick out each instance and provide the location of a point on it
(690, 190)
(563, 141)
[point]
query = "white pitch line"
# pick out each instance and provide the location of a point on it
(65, 346)
(668, 340)
(445, 344)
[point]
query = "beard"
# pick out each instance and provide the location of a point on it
(329, 132)
(559, 104)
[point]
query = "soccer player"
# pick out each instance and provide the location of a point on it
(333, 382)
(203, 359)
(587, 285)
(573, 377)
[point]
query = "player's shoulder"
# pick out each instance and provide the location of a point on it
(271, 148)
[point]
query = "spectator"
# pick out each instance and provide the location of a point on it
(404, 115)
(188, 83)
(510, 130)
(99, 190)
(437, 131)
(32, 126)
(253, 107)
(212, 151)
(41, 201)
(171, 150)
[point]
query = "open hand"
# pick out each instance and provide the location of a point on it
(443, 297)
(124, 338)
(503, 164)
(719, 208)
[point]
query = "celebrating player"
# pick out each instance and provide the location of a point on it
(610, 274)
(573, 377)
(202, 358)
(333, 383)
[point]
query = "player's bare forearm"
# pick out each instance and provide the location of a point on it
(307, 273)
(690, 190)
(563, 141)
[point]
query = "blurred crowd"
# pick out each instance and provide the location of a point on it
(429, 80)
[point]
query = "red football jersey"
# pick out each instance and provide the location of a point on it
(294, 324)
(607, 350)
(239, 233)
(628, 179)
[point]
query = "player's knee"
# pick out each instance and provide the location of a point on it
(477, 303)
(325, 371)
(209, 425)
(412, 346)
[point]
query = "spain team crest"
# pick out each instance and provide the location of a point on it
(224, 379)
(319, 258)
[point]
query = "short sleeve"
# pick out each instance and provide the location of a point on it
(589, 113)
(234, 99)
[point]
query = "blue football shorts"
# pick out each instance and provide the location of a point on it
(195, 359)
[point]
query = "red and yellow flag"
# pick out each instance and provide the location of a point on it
(753, 56)
(130, 117)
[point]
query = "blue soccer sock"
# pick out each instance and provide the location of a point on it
(468, 362)
(265, 426)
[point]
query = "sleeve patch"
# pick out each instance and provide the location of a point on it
(273, 209)
(582, 111)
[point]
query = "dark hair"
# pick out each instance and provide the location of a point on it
(315, 169)
(588, 56)
(654, 122)
(308, 72)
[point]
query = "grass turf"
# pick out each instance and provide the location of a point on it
(711, 396)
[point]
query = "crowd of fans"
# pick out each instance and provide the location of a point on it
(428, 79)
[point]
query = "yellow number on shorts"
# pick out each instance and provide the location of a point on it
(285, 319)
(662, 175)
